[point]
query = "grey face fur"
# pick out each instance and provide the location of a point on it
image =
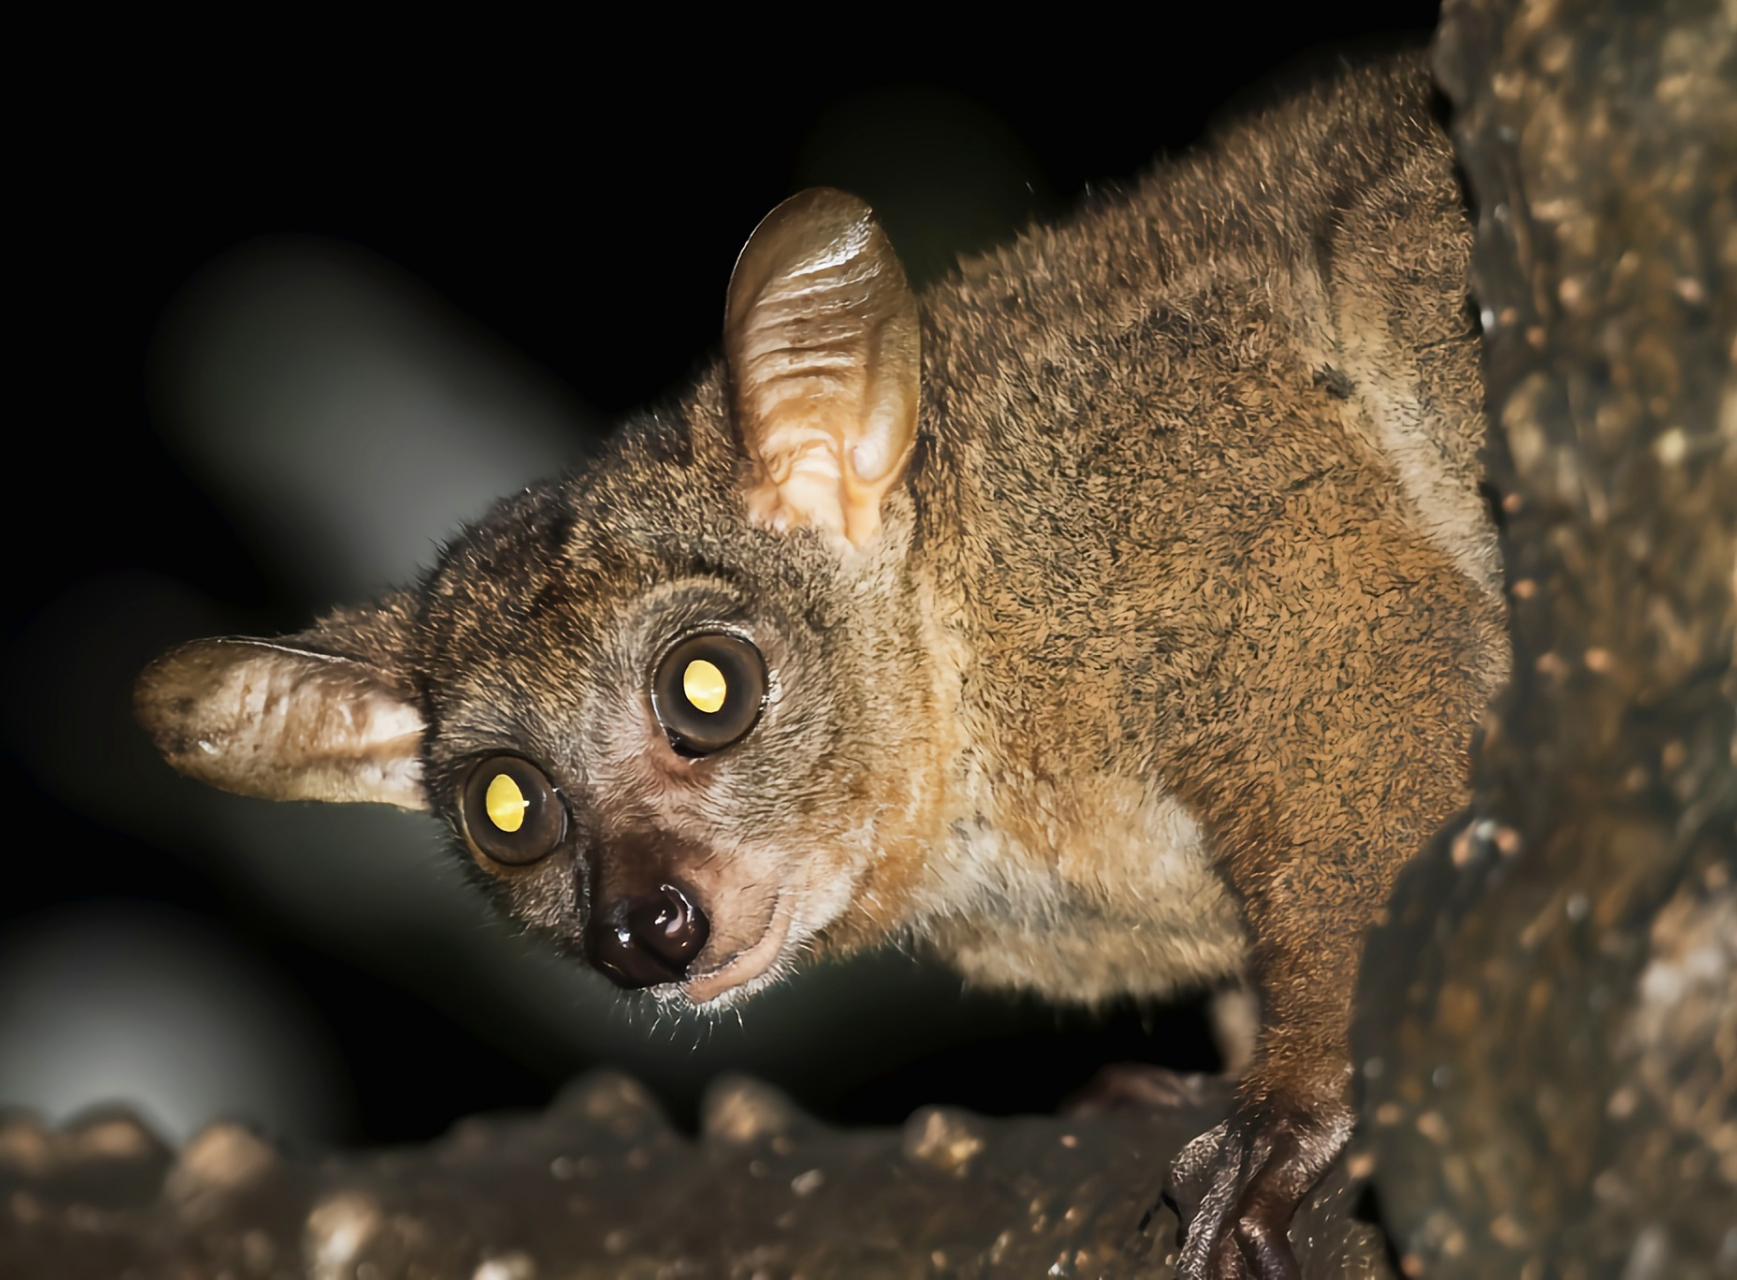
(539, 635)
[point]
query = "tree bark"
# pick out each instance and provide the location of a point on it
(600, 1186)
(1549, 1047)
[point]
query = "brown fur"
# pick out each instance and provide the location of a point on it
(1165, 658)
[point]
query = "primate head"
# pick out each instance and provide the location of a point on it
(677, 709)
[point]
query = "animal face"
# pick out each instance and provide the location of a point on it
(678, 710)
(680, 753)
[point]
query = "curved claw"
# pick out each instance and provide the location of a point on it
(1236, 1187)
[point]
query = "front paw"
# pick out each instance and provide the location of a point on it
(1236, 1187)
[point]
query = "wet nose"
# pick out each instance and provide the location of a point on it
(649, 938)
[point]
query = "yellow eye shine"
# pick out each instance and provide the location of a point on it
(705, 686)
(511, 812)
(505, 803)
(707, 691)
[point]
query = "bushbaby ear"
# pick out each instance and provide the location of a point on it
(270, 719)
(824, 350)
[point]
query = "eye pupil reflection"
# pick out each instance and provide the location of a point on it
(512, 814)
(505, 803)
(707, 691)
(705, 686)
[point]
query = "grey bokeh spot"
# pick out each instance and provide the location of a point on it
(139, 1004)
(344, 417)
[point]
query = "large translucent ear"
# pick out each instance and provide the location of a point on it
(286, 720)
(825, 358)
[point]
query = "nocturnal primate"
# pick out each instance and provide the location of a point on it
(1111, 617)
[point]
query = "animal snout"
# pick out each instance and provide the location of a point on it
(643, 939)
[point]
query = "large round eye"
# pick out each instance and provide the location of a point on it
(708, 691)
(511, 812)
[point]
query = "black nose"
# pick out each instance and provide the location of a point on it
(651, 938)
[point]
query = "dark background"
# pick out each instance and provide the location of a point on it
(563, 214)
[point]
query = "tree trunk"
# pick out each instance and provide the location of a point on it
(1550, 1042)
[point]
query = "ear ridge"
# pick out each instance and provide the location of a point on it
(274, 720)
(824, 347)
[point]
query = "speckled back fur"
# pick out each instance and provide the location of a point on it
(1208, 458)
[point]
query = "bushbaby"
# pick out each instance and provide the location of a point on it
(1111, 617)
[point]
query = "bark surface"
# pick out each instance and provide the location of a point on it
(601, 1186)
(1549, 1045)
